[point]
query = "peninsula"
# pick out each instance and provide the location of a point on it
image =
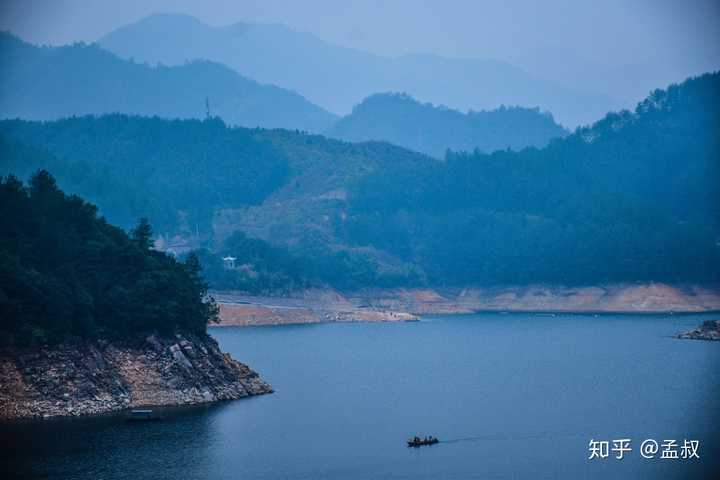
(92, 320)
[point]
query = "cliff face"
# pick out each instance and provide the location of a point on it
(99, 377)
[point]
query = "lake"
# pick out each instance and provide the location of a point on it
(510, 396)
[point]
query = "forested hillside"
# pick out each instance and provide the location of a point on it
(47, 83)
(400, 119)
(65, 272)
(173, 172)
(193, 178)
(634, 197)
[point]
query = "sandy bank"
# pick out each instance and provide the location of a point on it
(402, 304)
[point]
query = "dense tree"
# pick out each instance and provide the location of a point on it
(66, 273)
(261, 268)
(634, 197)
(400, 119)
(142, 234)
(175, 173)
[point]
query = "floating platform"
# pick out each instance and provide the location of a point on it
(142, 415)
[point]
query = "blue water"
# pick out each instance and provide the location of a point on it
(511, 396)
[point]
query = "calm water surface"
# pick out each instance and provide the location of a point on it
(511, 396)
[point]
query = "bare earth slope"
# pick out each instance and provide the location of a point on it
(314, 306)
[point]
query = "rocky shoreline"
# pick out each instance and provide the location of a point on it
(96, 377)
(257, 314)
(709, 330)
(406, 304)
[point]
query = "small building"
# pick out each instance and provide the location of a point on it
(229, 262)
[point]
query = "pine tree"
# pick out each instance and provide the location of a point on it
(211, 311)
(142, 234)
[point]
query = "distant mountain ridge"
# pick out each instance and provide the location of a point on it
(47, 83)
(634, 197)
(337, 78)
(430, 129)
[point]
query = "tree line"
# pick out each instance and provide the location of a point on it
(635, 197)
(65, 273)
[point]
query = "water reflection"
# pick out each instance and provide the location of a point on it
(106, 445)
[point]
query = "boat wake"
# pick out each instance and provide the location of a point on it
(480, 438)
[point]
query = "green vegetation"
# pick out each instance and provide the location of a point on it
(634, 197)
(257, 267)
(178, 173)
(260, 268)
(399, 119)
(47, 83)
(173, 172)
(66, 273)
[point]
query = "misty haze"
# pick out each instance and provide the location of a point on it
(359, 239)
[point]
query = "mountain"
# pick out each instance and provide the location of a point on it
(337, 78)
(46, 83)
(200, 182)
(634, 197)
(399, 119)
(173, 172)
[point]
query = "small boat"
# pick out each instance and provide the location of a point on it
(142, 415)
(419, 442)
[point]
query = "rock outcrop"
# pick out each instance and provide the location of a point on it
(100, 377)
(709, 330)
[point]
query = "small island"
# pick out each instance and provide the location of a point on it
(94, 320)
(709, 330)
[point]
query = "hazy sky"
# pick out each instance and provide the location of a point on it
(673, 38)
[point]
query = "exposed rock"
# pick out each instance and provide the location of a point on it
(403, 304)
(239, 314)
(99, 377)
(709, 330)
